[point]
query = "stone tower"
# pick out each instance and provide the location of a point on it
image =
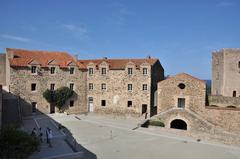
(226, 72)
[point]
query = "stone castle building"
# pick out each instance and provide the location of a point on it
(105, 85)
(226, 72)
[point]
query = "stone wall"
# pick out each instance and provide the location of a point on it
(21, 80)
(3, 69)
(169, 92)
(117, 94)
(227, 119)
(222, 101)
(217, 73)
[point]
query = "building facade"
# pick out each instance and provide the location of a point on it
(226, 73)
(33, 72)
(121, 86)
(180, 99)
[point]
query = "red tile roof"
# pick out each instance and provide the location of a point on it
(117, 63)
(24, 57)
(186, 75)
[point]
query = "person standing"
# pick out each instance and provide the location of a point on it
(34, 132)
(50, 136)
(47, 136)
(40, 134)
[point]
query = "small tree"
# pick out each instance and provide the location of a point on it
(62, 95)
(50, 96)
(58, 97)
(15, 143)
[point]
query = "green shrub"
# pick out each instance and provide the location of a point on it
(156, 123)
(58, 97)
(16, 144)
(50, 96)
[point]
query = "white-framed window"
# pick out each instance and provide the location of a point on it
(104, 71)
(34, 69)
(129, 87)
(71, 70)
(145, 71)
(71, 86)
(52, 70)
(90, 71)
(33, 87)
(103, 86)
(90, 86)
(130, 71)
(52, 86)
(144, 87)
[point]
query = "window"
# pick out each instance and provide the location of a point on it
(90, 71)
(52, 70)
(104, 86)
(34, 69)
(129, 87)
(129, 104)
(71, 103)
(71, 86)
(90, 86)
(71, 70)
(130, 71)
(34, 107)
(103, 103)
(52, 86)
(181, 102)
(145, 71)
(181, 86)
(33, 87)
(144, 87)
(234, 93)
(104, 71)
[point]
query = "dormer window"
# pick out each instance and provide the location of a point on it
(71, 70)
(90, 71)
(104, 71)
(34, 69)
(52, 70)
(145, 71)
(130, 71)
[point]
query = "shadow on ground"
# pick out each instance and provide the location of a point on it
(64, 144)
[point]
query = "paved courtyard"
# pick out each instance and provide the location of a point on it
(110, 138)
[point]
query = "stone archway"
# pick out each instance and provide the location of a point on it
(178, 124)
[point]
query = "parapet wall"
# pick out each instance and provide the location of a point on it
(221, 101)
(226, 118)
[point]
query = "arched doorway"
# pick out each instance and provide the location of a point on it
(178, 124)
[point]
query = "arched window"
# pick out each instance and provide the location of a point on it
(234, 93)
(238, 64)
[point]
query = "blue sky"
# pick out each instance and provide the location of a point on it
(181, 33)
